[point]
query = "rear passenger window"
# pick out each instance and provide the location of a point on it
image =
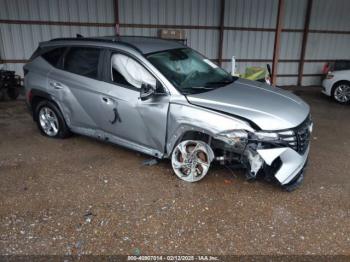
(54, 55)
(82, 61)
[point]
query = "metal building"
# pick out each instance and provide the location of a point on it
(296, 36)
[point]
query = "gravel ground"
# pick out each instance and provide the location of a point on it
(81, 196)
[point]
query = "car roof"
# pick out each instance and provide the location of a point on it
(144, 45)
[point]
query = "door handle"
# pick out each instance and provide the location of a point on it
(56, 85)
(105, 99)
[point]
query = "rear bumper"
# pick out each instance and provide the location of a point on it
(292, 162)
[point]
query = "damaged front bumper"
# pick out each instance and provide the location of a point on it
(292, 163)
(280, 155)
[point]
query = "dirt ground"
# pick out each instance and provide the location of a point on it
(82, 196)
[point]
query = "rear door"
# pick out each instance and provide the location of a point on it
(75, 85)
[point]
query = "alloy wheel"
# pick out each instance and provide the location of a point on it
(48, 121)
(342, 93)
(191, 160)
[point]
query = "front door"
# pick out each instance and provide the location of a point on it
(141, 123)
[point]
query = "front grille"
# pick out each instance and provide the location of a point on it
(297, 138)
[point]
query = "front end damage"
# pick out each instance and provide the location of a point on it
(277, 156)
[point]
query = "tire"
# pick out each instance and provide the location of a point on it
(13, 93)
(50, 120)
(341, 92)
(191, 160)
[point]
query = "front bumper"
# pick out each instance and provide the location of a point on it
(327, 86)
(292, 162)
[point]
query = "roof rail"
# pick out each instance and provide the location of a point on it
(91, 39)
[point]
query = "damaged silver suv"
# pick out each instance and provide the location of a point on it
(166, 100)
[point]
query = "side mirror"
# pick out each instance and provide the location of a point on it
(147, 91)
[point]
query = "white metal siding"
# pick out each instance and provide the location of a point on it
(170, 12)
(248, 44)
(19, 41)
(180, 12)
(97, 11)
(294, 16)
(330, 15)
(251, 13)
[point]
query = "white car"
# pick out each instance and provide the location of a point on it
(337, 85)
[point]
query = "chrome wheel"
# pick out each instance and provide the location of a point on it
(191, 160)
(48, 121)
(342, 93)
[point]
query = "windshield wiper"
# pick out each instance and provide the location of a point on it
(199, 87)
(195, 89)
(219, 83)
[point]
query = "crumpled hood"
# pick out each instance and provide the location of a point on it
(270, 108)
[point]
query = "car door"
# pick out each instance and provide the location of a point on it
(75, 86)
(124, 114)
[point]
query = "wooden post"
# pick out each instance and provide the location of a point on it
(278, 31)
(221, 30)
(303, 45)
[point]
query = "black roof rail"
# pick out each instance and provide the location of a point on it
(91, 39)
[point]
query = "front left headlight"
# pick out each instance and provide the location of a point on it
(239, 138)
(266, 136)
(233, 137)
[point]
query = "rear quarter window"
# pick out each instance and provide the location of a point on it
(54, 55)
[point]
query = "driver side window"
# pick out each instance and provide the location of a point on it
(128, 72)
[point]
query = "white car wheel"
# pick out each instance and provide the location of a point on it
(341, 93)
(191, 160)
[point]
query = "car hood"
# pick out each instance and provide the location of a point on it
(270, 108)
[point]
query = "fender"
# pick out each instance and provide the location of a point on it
(183, 118)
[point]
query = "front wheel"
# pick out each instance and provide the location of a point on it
(191, 160)
(341, 92)
(50, 120)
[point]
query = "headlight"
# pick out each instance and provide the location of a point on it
(266, 136)
(241, 137)
(329, 75)
(233, 137)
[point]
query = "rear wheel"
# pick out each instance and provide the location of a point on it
(50, 120)
(191, 160)
(341, 92)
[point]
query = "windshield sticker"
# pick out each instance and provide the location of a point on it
(210, 63)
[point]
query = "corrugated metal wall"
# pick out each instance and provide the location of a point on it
(249, 44)
(327, 15)
(18, 41)
(169, 12)
(249, 28)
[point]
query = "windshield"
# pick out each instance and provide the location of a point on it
(189, 71)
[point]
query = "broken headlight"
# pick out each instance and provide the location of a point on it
(233, 137)
(265, 136)
(239, 138)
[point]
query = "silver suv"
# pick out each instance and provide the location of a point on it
(166, 100)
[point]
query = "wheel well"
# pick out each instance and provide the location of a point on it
(36, 100)
(195, 135)
(339, 82)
